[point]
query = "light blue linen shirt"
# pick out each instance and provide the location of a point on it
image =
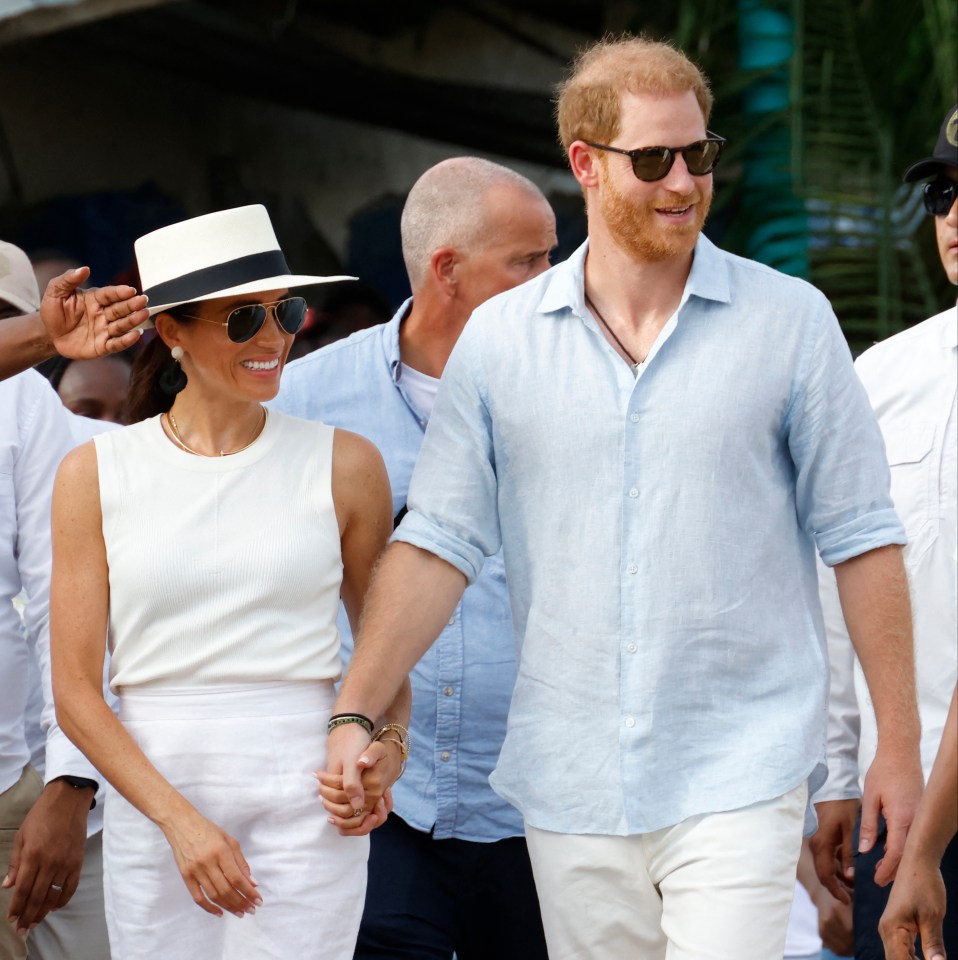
(659, 535)
(462, 686)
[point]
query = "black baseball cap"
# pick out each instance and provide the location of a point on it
(946, 151)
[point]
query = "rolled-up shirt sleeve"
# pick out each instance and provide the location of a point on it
(842, 482)
(452, 505)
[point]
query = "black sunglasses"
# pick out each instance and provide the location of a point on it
(939, 195)
(654, 163)
(243, 323)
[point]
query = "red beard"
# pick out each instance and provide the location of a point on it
(646, 235)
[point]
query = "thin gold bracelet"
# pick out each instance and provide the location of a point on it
(404, 741)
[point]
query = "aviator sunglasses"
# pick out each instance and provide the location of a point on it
(243, 323)
(938, 196)
(654, 163)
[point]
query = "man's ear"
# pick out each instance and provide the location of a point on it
(584, 163)
(444, 264)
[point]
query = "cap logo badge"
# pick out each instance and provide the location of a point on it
(951, 131)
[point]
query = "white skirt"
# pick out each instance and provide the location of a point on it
(244, 756)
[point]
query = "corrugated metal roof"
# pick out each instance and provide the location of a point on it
(30, 18)
(13, 8)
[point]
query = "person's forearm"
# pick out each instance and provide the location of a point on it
(89, 722)
(24, 342)
(873, 589)
(398, 711)
(410, 600)
(936, 822)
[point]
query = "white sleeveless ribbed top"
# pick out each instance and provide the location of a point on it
(223, 570)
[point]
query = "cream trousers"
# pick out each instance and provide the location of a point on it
(244, 756)
(713, 887)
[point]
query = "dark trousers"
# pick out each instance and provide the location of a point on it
(427, 898)
(869, 901)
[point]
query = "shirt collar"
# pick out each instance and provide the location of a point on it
(391, 339)
(565, 286)
(708, 279)
(709, 276)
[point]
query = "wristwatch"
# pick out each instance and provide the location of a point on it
(80, 783)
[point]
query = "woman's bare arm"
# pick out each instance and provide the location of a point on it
(364, 509)
(210, 860)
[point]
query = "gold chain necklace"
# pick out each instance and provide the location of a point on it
(175, 433)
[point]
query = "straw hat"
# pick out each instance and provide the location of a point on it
(222, 254)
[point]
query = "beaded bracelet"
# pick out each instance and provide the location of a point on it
(337, 720)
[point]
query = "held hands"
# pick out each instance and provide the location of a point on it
(84, 324)
(47, 855)
(212, 865)
(357, 777)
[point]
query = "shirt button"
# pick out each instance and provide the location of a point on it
(631, 648)
(633, 493)
(452, 621)
(444, 756)
(632, 568)
(630, 721)
(448, 691)
(634, 418)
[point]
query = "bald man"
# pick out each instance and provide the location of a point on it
(449, 870)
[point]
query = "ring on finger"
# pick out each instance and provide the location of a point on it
(57, 887)
(357, 811)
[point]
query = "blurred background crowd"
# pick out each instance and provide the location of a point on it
(121, 116)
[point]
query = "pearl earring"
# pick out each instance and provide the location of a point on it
(173, 379)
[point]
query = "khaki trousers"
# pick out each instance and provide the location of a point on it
(78, 930)
(15, 804)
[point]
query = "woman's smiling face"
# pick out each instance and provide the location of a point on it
(215, 364)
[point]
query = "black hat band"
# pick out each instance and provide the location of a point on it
(220, 276)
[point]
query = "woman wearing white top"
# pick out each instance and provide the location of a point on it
(211, 542)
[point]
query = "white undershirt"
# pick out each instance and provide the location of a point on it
(420, 388)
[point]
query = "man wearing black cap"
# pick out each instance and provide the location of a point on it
(911, 381)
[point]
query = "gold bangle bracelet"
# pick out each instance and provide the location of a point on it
(404, 741)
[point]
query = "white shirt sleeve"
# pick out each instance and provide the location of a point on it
(45, 438)
(844, 725)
